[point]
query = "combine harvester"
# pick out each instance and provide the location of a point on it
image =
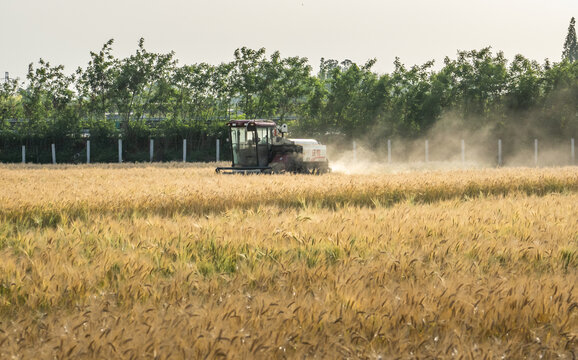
(260, 147)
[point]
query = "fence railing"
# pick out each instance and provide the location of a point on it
(85, 155)
(567, 151)
(534, 158)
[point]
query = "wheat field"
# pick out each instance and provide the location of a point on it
(174, 261)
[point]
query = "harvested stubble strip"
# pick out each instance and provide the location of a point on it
(49, 197)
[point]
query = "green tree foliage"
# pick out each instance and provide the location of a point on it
(524, 85)
(48, 101)
(559, 107)
(343, 97)
(194, 95)
(137, 82)
(570, 51)
(95, 83)
(292, 77)
(413, 107)
(248, 81)
(10, 102)
(481, 81)
(147, 95)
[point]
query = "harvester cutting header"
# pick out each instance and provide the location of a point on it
(260, 146)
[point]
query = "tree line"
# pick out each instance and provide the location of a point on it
(149, 95)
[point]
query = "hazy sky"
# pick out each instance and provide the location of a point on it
(65, 31)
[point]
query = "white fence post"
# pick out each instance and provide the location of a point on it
(389, 151)
(119, 150)
(53, 154)
(88, 151)
(151, 149)
(535, 152)
(184, 150)
(499, 152)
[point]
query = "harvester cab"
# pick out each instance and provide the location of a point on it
(260, 146)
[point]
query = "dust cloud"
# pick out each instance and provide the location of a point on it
(450, 145)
